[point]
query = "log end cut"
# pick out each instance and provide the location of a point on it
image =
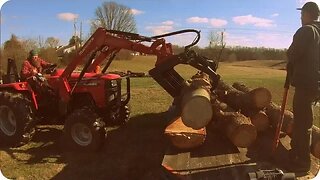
(262, 97)
(244, 135)
(260, 121)
(184, 137)
(197, 109)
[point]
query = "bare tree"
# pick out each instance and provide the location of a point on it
(52, 42)
(40, 42)
(216, 38)
(30, 43)
(113, 16)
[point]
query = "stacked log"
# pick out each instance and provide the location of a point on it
(250, 102)
(196, 107)
(260, 120)
(236, 126)
(273, 113)
(188, 129)
(227, 109)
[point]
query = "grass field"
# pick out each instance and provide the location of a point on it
(132, 150)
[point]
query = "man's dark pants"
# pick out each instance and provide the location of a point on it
(303, 120)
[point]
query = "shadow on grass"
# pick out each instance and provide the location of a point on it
(128, 152)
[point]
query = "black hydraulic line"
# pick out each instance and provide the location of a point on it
(134, 36)
(181, 32)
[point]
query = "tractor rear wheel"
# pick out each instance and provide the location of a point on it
(84, 131)
(17, 122)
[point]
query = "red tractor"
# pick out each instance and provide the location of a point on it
(87, 102)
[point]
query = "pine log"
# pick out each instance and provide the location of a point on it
(236, 126)
(184, 137)
(247, 102)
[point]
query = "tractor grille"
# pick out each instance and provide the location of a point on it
(113, 92)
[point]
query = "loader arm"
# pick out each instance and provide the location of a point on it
(104, 44)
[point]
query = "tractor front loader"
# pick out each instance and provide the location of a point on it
(87, 102)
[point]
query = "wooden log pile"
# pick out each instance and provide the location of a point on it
(273, 112)
(238, 115)
(236, 111)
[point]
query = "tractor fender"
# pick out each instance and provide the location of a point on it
(22, 87)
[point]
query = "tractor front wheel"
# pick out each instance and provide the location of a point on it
(84, 131)
(124, 115)
(17, 120)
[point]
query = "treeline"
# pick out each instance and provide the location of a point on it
(48, 49)
(238, 53)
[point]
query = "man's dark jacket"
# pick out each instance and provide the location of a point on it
(303, 57)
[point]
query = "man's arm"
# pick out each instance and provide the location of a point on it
(43, 63)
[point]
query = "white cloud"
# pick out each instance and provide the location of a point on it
(270, 40)
(275, 15)
(168, 23)
(136, 12)
(156, 30)
(218, 22)
(238, 40)
(197, 20)
(164, 27)
(67, 16)
(213, 21)
(256, 21)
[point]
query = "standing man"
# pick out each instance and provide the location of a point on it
(303, 71)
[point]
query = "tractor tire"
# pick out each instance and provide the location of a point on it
(83, 131)
(17, 120)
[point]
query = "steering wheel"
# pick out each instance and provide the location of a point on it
(51, 69)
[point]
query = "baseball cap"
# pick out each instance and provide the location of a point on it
(33, 52)
(310, 7)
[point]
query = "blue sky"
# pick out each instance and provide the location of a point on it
(268, 23)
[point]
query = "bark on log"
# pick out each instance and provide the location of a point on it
(184, 137)
(236, 126)
(272, 111)
(248, 102)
